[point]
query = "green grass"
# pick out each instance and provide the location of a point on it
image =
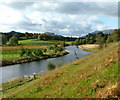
(13, 54)
(10, 54)
(37, 42)
(34, 42)
(82, 78)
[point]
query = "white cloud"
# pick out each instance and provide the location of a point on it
(8, 15)
(65, 18)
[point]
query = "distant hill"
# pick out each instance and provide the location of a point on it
(49, 33)
(95, 32)
(53, 34)
(108, 31)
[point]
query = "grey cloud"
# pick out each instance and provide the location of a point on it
(74, 29)
(99, 8)
(94, 8)
(63, 8)
(28, 25)
(19, 5)
(104, 8)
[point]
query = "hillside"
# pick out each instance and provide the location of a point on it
(95, 75)
(107, 31)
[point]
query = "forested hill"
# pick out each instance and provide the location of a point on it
(90, 38)
(40, 36)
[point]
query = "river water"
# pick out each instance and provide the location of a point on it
(11, 72)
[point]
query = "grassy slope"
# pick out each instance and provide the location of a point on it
(82, 78)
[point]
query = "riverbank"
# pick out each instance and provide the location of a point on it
(30, 59)
(94, 76)
(89, 47)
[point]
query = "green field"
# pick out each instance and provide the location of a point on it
(10, 54)
(13, 54)
(36, 42)
(92, 76)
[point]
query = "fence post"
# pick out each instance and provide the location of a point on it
(34, 76)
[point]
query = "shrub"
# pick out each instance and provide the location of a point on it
(28, 52)
(60, 49)
(22, 52)
(44, 50)
(109, 39)
(100, 40)
(59, 64)
(63, 44)
(13, 41)
(50, 47)
(4, 39)
(37, 52)
(50, 66)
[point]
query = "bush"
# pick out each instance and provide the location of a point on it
(22, 52)
(109, 39)
(50, 66)
(4, 39)
(100, 40)
(59, 64)
(55, 50)
(60, 49)
(50, 47)
(28, 52)
(37, 52)
(44, 50)
(13, 41)
(63, 44)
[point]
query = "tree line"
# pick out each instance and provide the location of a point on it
(11, 38)
(100, 38)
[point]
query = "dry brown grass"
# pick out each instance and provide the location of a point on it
(89, 46)
(18, 47)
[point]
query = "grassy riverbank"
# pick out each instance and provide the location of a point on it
(16, 59)
(95, 75)
(12, 54)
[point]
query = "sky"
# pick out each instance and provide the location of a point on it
(63, 18)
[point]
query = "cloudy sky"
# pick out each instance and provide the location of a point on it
(64, 18)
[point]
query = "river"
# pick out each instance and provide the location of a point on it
(11, 72)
